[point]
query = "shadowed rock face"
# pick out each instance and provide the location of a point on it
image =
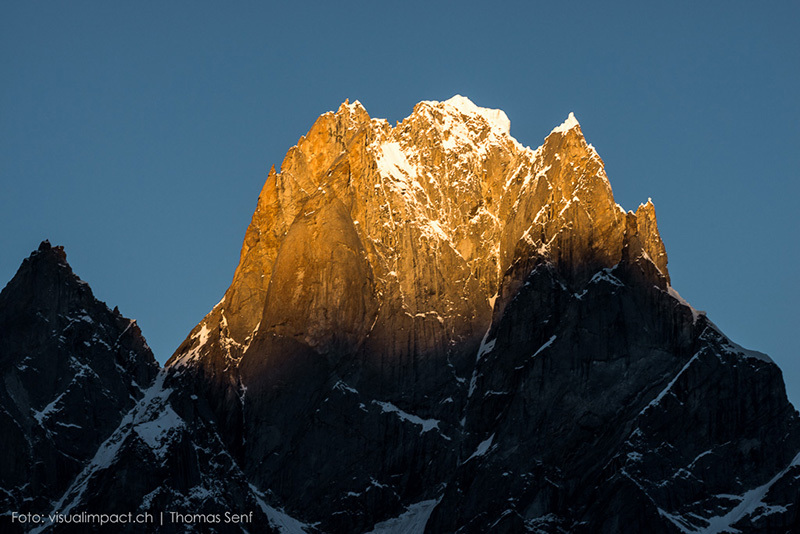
(88, 422)
(433, 319)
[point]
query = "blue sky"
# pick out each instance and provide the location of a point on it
(138, 134)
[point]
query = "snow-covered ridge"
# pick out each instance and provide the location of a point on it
(735, 349)
(151, 422)
(466, 132)
(497, 118)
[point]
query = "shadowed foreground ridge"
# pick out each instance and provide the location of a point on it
(435, 329)
(71, 367)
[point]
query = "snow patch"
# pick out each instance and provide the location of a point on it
(426, 424)
(667, 389)
(47, 410)
(497, 119)
(486, 347)
(435, 229)
(341, 386)
(279, 519)
(483, 447)
(734, 348)
(606, 276)
(676, 520)
(81, 370)
(750, 502)
(547, 344)
(152, 404)
(635, 456)
(393, 163)
(747, 353)
(157, 433)
(67, 425)
(412, 521)
(202, 338)
(696, 458)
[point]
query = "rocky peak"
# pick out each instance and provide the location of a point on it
(379, 257)
(450, 213)
(48, 301)
(60, 351)
(45, 282)
(566, 208)
(647, 229)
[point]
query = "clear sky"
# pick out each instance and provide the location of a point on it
(138, 134)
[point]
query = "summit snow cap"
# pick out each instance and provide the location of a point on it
(567, 125)
(497, 118)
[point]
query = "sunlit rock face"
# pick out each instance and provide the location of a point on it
(445, 214)
(432, 322)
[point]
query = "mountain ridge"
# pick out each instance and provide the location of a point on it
(434, 328)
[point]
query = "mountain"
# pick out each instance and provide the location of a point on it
(431, 321)
(432, 328)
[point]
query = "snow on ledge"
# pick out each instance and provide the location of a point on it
(749, 502)
(749, 353)
(159, 431)
(426, 424)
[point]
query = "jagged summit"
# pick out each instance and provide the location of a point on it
(351, 106)
(46, 280)
(448, 182)
(46, 250)
(447, 186)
